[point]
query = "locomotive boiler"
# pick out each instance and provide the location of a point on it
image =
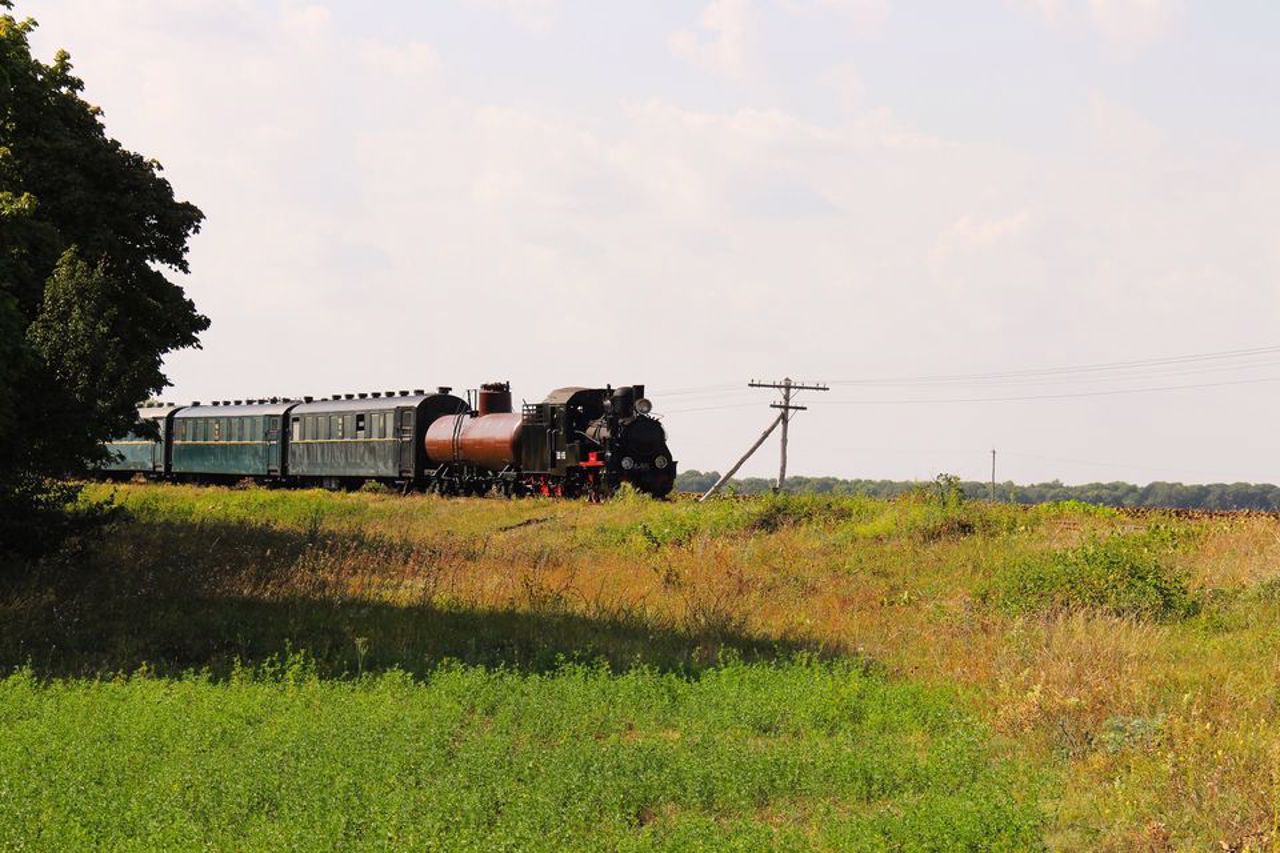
(578, 441)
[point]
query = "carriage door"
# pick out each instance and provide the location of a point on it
(157, 448)
(405, 427)
(274, 445)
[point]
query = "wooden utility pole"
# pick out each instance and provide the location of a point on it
(788, 388)
(992, 493)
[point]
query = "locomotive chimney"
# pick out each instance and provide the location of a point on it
(495, 398)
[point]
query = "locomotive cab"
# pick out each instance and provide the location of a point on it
(613, 428)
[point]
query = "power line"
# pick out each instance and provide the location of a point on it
(709, 408)
(1064, 396)
(723, 388)
(1116, 371)
(1007, 399)
(1193, 358)
(1159, 372)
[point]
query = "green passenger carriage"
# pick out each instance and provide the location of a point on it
(230, 441)
(144, 454)
(365, 436)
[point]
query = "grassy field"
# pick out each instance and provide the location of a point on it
(279, 668)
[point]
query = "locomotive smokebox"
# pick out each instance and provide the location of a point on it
(491, 442)
(495, 399)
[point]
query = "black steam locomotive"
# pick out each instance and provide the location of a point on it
(577, 442)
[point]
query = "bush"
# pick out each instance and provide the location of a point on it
(1126, 575)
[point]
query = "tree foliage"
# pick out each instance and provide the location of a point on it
(1213, 496)
(90, 234)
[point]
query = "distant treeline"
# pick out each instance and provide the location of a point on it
(1260, 496)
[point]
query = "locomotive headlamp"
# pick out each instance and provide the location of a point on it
(628, 463)
(660, 462)
(643, 406)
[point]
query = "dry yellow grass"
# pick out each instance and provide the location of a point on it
(1162, 735)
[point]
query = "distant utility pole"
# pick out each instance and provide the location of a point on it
(787, 387)
(993, 475)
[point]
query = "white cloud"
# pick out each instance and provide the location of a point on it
(412, 59)
(1122, 131)
(309, 21)
(724, 47)
(970, 233)
(1053, 11)
(845, 83)
(1127, 25)
(1132, 24)
(866, 15)
(533, 15)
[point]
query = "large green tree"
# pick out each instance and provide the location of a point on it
(90, 235)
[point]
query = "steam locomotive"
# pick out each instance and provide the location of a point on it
(578, 442)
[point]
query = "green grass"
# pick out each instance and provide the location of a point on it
(794, 755)
(1128, 575)
(1089, 679)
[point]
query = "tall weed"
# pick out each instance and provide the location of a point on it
(1128, 575)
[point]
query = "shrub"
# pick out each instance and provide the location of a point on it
(1125, 575)
(774, 512)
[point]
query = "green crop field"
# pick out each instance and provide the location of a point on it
(248, 668)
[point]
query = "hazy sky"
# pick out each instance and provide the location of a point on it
(692, 194)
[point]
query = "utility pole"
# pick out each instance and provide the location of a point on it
(992, 494)
(788, 388)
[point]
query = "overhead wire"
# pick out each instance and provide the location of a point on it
(1244, 360)
(1240, 361)
(1097, 367)
(1063, 396)
(1084, 380)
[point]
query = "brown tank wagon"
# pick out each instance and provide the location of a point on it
(487, 441)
